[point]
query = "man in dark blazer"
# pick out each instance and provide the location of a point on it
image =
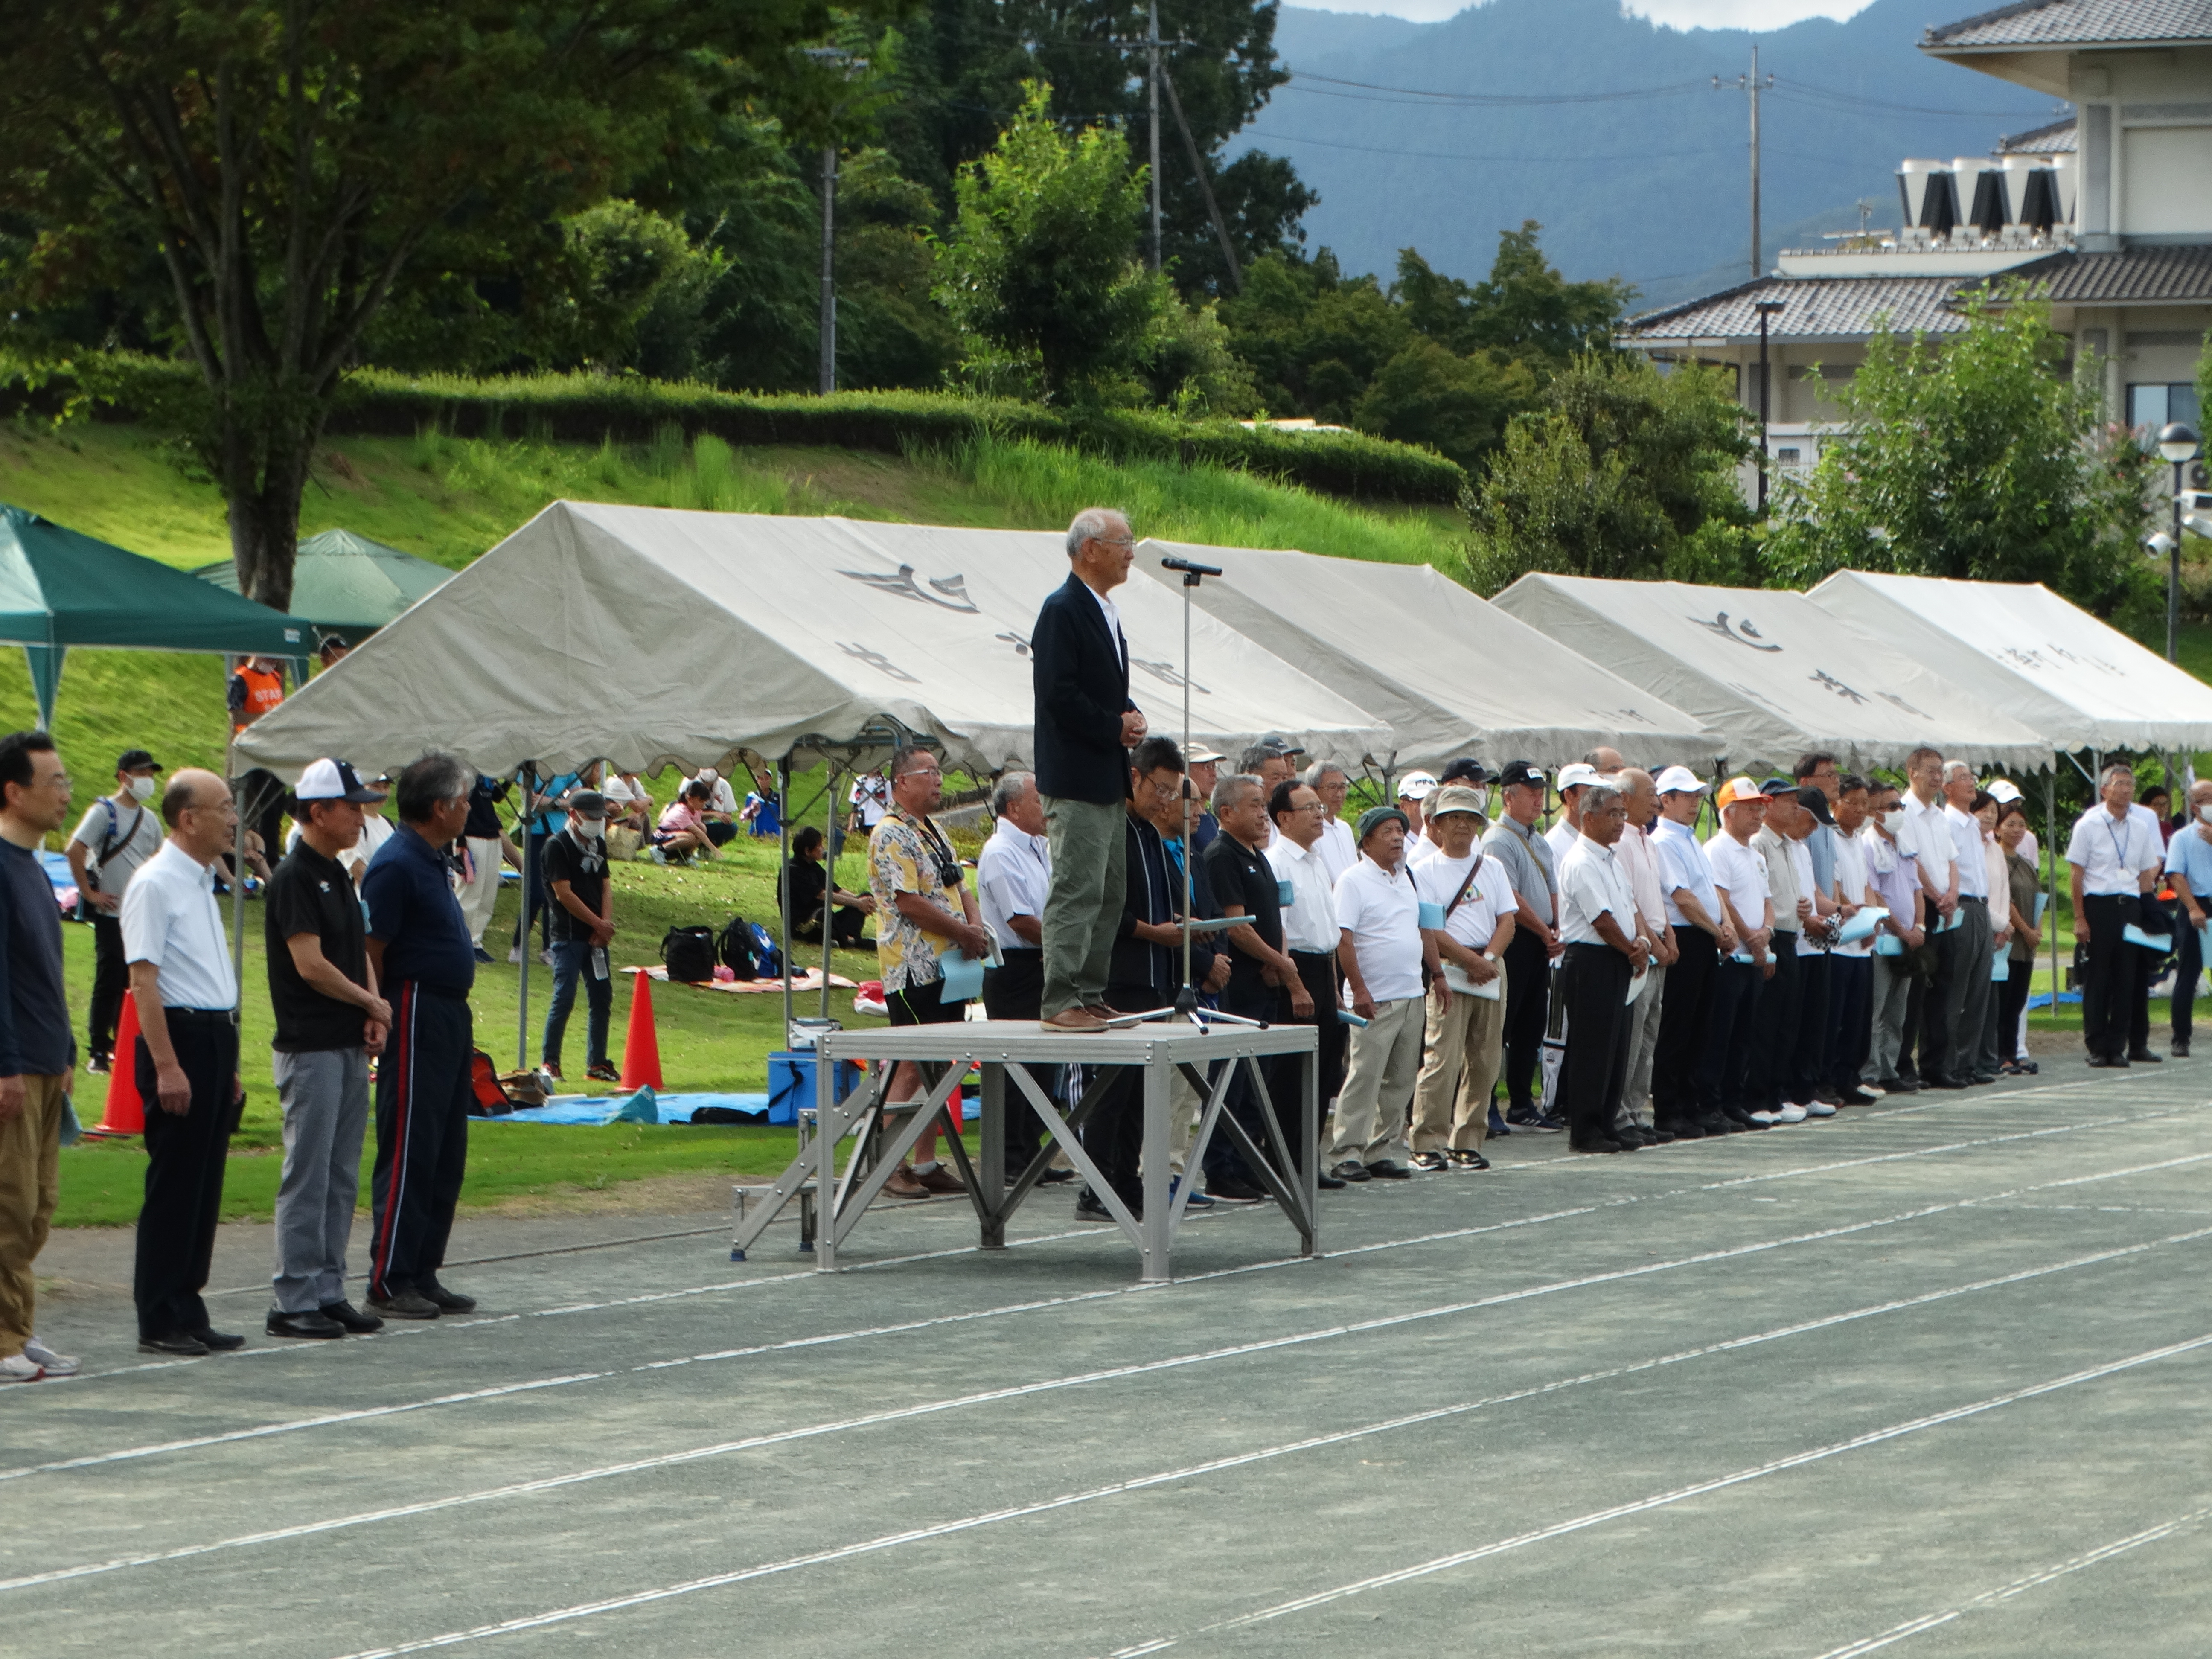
(1086, 726)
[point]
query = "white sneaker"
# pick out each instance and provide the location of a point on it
(1869, 1089)
(1789, 1114)
(1819, 1108)
(514, 954)
(17, 1369)
(52, 1363)
(1763, 1116)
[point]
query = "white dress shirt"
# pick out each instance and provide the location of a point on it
(1310, 919)
(1381, 910)
(1682, 864)
(1800, 867)
(1338, 851)
(1561, 838)
(2111, 852)
(1013, 872)
(1591, 883)
(1926, 836)
(1851, 877)
(1113, 614)
(1967, 853)
(170, 919)
(1740, 870)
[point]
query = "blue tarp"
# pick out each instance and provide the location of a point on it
(644, 1106)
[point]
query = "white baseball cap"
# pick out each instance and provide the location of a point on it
(1679, 780)
(1578, 773)
(1417, 785)
(2003, 791)
(333, 780)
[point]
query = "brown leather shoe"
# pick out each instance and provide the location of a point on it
(904, 1183)
(941, 1180)
(1074, 1019)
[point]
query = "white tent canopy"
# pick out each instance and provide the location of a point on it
(1451, 673)
(2020, 647)
(1774, 674)
(645, 637)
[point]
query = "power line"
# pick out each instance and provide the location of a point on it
(1808, 93)
(1454, 155)
(1500, 99)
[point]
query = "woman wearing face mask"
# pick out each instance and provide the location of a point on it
(120, 833)
(2021, 883)
(580, 915)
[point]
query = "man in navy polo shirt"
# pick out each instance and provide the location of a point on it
(418, 943)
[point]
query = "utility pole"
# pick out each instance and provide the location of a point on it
(829, 328)
(1752, 84)
(1766, 309)
(1152, 52)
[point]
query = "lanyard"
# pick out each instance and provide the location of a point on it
(2119, 841)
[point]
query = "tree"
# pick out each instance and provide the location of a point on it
(1456, 405)
(1524, 308)
(295, 165)
(1039, 268)
(1980, 458)
(1625, 472)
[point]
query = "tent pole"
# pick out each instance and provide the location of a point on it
(2051, 877)
(783, 879)
(828, 889)
(522, 927)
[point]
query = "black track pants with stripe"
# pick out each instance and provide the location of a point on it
(423, 1096)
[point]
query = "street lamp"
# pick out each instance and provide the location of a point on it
(852, 67)
(2177, 444)
(1766, 309)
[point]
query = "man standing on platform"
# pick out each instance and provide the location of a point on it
(330, 1020)
(1702, 937)
(2112, 861)
(37, 1054)
(1013, 873)
(187, 1063)
(1086, 726)
(419, 948)
(1605, 953)
(1527, 857)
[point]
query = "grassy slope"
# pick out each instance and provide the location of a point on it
(448, 501)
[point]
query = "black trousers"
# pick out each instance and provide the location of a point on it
(423, 1097)
(1223, 1160)
(1323, 979)
(1850, 1015)
(2188, 947)
(1527, 1006)
(845, 924)
(535, 894)
(1810, 1075)
(2012, 998)
(2115, 972)
(185, 1160)
(260, 796)
(1724, 1069)
(1594, 984)
(1682, 1021)
(111, 978)
(1934, 1008)
(1781, 1011)
(1015, 992)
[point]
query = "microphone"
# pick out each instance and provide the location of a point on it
(1187, 567)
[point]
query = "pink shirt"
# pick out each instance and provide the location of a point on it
(681, 815)
(1640, 860)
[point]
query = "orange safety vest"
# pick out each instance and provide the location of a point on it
(264, 689)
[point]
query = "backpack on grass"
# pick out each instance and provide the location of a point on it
(738, 951)
(690, 954)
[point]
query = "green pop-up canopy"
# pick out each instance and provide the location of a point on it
(60, 588)
(344, 583)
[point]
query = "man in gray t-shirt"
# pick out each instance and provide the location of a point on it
(1529, 864)
(118, 832)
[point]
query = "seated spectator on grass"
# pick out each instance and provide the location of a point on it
(808, 874)
(720, 813)
(683, 830)
(763, 809)
(629, 813)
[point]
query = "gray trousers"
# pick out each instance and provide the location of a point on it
(1642, 1049)
(1083, 905)
(1374, 1107)
(324, 1096)
(1891, 996)
(1968, 1009)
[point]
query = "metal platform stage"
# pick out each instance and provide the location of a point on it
(1146, 1056)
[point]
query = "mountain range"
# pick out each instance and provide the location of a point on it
(1607, 128)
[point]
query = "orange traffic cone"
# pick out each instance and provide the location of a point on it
(125, 1113)
(641, 1047)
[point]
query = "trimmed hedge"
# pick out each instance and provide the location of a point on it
(586, 408)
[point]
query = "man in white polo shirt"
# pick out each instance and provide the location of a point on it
(1310, 937)
(1926, 835)
(1639, 857)
(1747, 905)
(1462, 1038)
(1573, 780)
(1605, 955)
(1383, 953)
(1967, 1007)
(1702, 937)
(1332, 783)
(2111, 859)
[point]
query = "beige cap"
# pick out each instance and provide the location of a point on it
(1455, 798)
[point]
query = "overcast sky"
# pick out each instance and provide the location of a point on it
(1677, 13)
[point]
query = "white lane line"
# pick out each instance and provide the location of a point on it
(2021, 1586)
(126, 1454)
(642, 1598)
(932, 1408)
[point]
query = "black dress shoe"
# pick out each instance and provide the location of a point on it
(177, 1345)
(1384, 1170)
(404, 1304)
(1595, 1144)
(1351, 1169)
(2178, 1048)
(1328, 1183)
(216, 1341)
(2144, 1057)
(447, 1301)
(1683, 1128)
(1858, 1097)
(1230, 1190)
(310, 1323)
(1053, 1177)
(1901, 1086)
(1089, 1207)
(360, 1323)
(1943, 1082)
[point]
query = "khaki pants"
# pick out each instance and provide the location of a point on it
(30, 1181)
(1643, 1047)
(1083, 905)
(480, 892)
(1378, 1085)
(1461, 1051)
(1184, 1105)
